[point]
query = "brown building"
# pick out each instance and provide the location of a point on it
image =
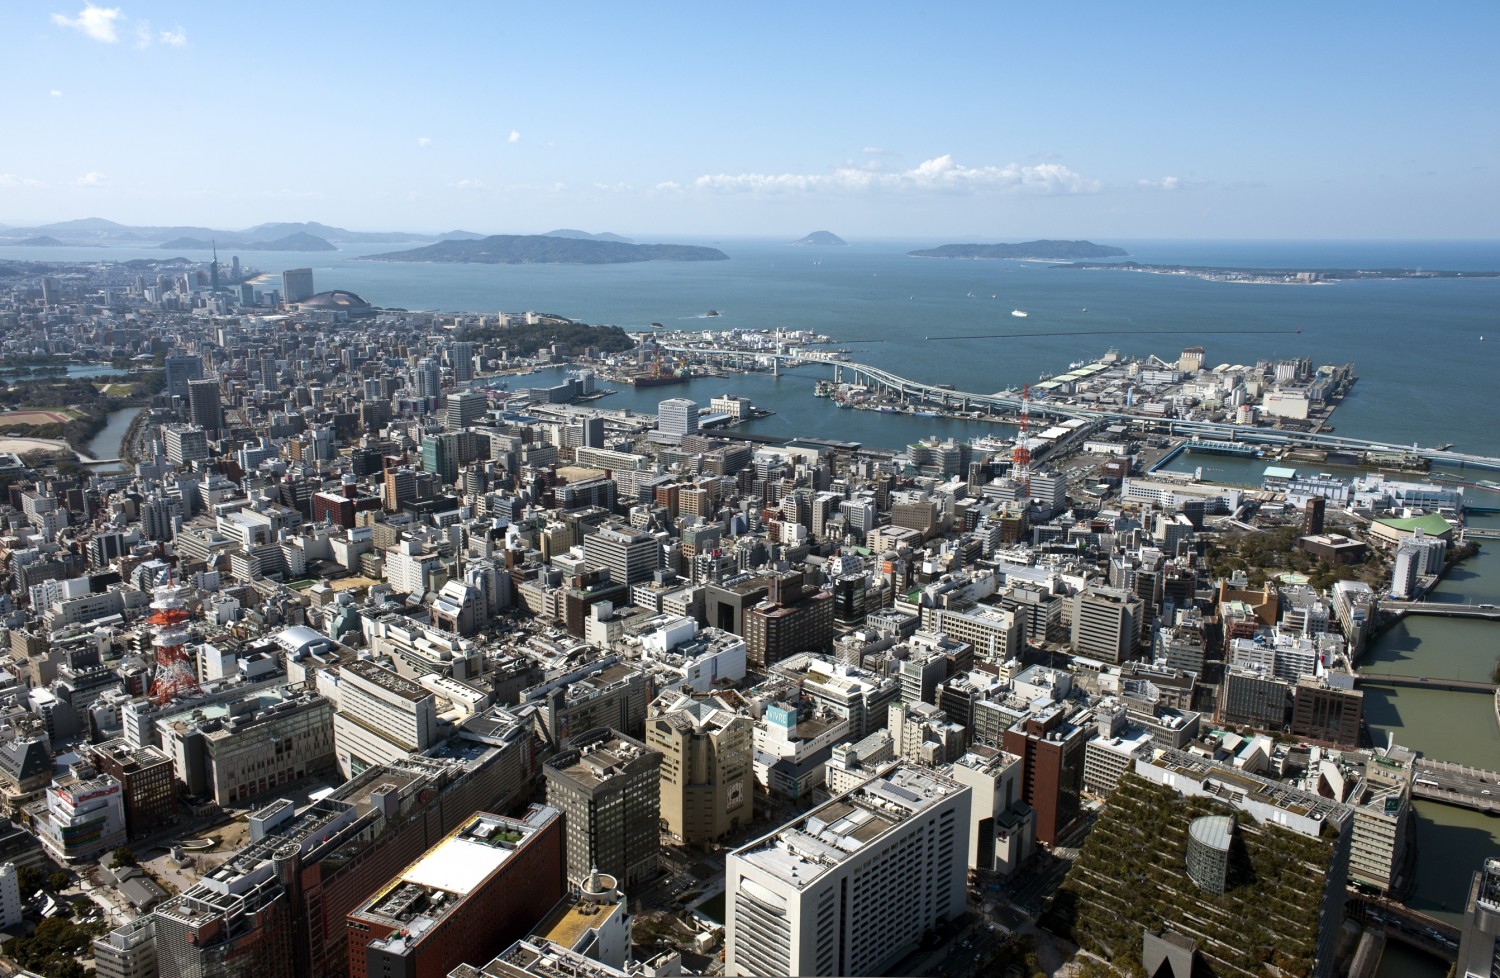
(793, 618)
(1326, 713)
(145, 774)
(1334, 548)
(467, 898)
(1051, 750)
(707, 770)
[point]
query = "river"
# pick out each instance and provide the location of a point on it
(107, 443)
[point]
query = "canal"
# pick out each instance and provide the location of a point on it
(1451, 842)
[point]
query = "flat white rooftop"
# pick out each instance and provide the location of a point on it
(456, 866)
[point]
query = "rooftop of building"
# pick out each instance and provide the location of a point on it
(577, 914)
(432, 887)
(387, 680)
(599, 759)
(543, 959)
(803, 850)
(1232, 785)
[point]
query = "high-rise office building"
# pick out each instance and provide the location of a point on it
(186, 443)
(630, 556)
(205, 406)
(793, 618)
(850, 887)
(296, 285)
(610, 789)
(1106, 624)
(1052, 752)
(461, 356)
(180, 369)
(676, 418)
(707, 769)
(429, 378)
(440, 456)
(464, 408)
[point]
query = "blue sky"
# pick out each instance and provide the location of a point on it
(988, 121)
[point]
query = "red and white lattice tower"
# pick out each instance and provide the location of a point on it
(1020, 456)
(174, 672)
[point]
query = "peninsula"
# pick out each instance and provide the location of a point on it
(534, 249)
(1026, 250)
(1283, 276)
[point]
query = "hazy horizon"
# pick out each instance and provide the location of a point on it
(968, 122)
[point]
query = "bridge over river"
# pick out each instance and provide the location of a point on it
(1010, 402)
(1442, 609)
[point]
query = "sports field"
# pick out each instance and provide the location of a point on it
(35, 416)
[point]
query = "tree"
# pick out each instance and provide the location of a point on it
(122, 857)
(30, 880)
(58, 881)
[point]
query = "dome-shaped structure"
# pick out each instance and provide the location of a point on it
(338, 300)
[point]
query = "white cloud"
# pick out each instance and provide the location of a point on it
(873, 151)
(941, 174)
(10, 180)
(469, 185)
(614, 188)
(143, 34)
(93, 178)
(424, 141)
(514, 137)
(56, 93)
(177, 37)
(97, 23)
(668, 186)
(1165, 183)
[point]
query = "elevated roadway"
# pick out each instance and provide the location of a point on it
(1010, 402)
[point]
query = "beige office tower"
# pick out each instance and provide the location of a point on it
(707, 771)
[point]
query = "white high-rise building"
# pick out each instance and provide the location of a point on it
(10, 896)
(676, 418)
(849, 888)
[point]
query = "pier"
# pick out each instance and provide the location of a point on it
(1009, 402)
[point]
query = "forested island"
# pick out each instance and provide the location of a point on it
(826, 238)
(571, 338)
(1025, 250)
(530, 249)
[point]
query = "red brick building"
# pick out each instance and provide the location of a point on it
(469, 897)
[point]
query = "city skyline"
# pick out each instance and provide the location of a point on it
(989, 124)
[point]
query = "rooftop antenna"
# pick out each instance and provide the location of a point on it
(213, 268)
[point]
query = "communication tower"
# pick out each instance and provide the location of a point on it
(174, 673)
(1020, 456)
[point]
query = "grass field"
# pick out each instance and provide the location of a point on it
(37, 417)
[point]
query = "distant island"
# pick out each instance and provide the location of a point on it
(1029, 250)
(300, 241)
(1282, 276)
(586, 236)
(537, 249)
(821, 238)
(40, 241)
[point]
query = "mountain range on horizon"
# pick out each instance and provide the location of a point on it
(273, 236)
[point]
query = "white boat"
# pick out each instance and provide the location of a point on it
(1018, 313)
